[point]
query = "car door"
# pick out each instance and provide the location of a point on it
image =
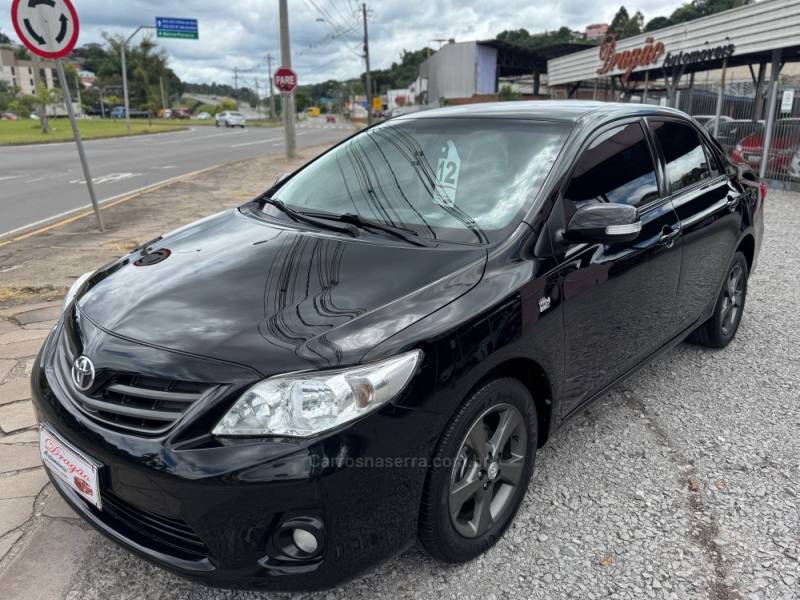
(706, 204)
(618, 300)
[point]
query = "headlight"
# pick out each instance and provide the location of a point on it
(305, 404)
(74, 289)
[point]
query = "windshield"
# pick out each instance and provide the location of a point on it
(450, 179)
(233, 114)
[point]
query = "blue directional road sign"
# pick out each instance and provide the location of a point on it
(168, 27)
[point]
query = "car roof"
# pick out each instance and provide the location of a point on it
(572, 111)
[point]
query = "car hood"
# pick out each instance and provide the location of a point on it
(272, 297)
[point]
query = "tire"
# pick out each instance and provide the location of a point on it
(452, 526)
(216, 123)
(721, 328)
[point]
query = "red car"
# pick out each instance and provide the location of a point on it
(785, 144)
(9, 117)
(330, 119)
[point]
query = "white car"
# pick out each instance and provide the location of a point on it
(231, 118)
(203, 116)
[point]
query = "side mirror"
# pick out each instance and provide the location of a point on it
(607, 222)
(281, 177)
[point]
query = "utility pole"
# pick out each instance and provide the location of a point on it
(235, 79)
(271, 95)
(163, 97)
(258, 100)
(366, 58)
(286, 61)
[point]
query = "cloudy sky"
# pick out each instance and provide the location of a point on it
(239, 33)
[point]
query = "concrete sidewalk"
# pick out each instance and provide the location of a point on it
(37, 530)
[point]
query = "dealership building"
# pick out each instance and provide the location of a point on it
(736, 70)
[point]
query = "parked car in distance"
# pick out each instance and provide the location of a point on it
(230, 118)
(165, 113)
(9, 116)
(371, 351)
(330, 118)
(783, 148)
(181, 113)
(118, 112)
(203, 116)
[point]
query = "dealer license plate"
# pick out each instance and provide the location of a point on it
(70, 466)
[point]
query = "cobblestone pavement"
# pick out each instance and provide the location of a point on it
(680, 484)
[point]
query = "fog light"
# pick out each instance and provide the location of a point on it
(305, 541)
(299, 538)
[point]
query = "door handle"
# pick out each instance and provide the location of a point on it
(669, 235)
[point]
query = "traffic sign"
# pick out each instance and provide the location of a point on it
(169, 27)
(285, 80)
(48, 28)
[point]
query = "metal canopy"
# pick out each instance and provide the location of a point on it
(514, 60)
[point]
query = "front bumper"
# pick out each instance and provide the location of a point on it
(209, 510)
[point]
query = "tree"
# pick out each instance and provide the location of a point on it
(21, 53)
(22, 105)
(4, 39)
(657, 23)
(684, 13)
(44, 97)
(619, 22)
(227, 104)
(633, 26)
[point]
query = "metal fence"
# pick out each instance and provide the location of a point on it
(741, 126)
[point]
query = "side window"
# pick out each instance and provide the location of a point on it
(616, 167)
(685, 156)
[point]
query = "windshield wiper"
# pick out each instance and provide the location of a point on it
(310, 219)
(403, 233)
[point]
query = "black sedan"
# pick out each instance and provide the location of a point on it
(372, 351)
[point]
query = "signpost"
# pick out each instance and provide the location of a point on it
(49, 28)
(166, 27)
(285, 80)
(169, 27)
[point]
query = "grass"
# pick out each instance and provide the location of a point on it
(30, 131)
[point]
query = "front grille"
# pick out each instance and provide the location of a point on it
(130, 401)
(173, 536)
(144, 404)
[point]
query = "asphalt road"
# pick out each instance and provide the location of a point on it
(40, 182)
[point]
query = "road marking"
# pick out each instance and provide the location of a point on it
(253, 143)
(10, 177)
(110, 178)
(106, 203)
(200, 137)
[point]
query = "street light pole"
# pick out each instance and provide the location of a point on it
(286, 61)
(366, 59)
(125, 75)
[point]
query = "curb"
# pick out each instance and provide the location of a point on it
(70, 217)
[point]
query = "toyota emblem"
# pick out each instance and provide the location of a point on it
(83, 373)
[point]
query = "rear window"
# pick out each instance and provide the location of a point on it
(453, 179)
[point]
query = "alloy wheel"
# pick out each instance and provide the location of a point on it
(488, 469)
(732, 300)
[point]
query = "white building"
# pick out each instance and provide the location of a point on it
(21, 73)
